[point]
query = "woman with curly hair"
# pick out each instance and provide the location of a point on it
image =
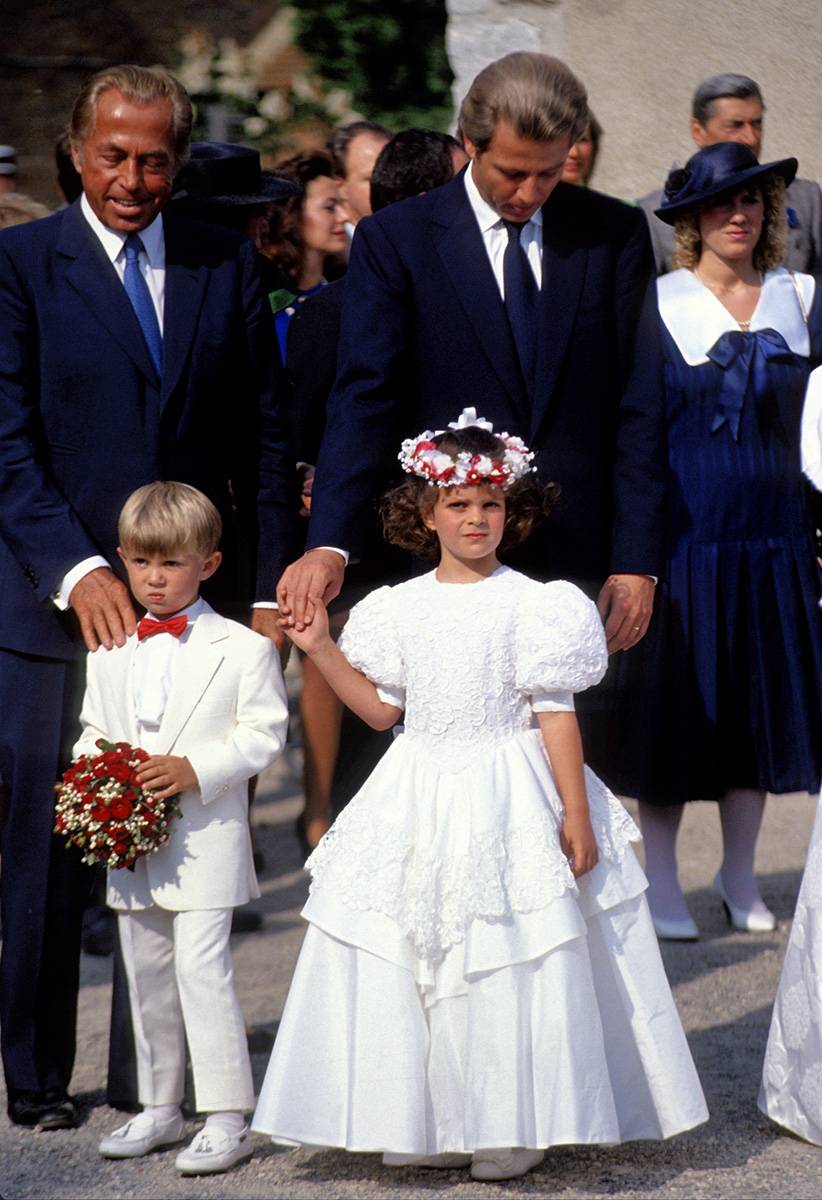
(722, 700)
(301, 234)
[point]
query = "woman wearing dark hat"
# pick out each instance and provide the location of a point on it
(721, 701)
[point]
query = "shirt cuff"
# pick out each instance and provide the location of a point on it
(266, 604)
(62, 597)
(337, 550)
(552, 701)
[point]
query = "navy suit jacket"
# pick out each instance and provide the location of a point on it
(84, 420)
(424, 333)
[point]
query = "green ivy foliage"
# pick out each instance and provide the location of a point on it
(388, 54)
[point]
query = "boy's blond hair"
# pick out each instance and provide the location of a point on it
(163, 518)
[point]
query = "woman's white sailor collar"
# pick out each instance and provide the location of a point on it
(696, 319)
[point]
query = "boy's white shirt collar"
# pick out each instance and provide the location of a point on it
(696, 319)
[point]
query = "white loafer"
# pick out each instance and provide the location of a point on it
(213, 1151)
(749, 920)
(491, 1165)
(448, 1161)
(140, 1136)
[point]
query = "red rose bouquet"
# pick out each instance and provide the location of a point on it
(102, 809)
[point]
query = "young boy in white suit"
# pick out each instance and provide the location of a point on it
(205, 697)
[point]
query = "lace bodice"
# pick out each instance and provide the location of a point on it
(471, 662)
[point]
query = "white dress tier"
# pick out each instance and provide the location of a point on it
(791, 1090)
(457, 987)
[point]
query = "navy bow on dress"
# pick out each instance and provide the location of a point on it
(745, 357)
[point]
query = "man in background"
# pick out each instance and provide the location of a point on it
(354, 149)
(730, 108)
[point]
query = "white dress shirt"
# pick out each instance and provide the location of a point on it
(152, 265)
(155, 662)
(495, 235)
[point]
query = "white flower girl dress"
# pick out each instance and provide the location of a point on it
(457, 987)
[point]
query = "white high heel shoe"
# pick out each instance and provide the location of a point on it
(748, 920)
(681, 929)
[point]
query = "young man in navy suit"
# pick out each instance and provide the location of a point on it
(531, 299)
(133, 346)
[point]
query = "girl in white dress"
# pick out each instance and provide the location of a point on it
(791, 1088)
(480, 978)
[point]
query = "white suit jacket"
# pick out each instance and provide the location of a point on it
(227, 713)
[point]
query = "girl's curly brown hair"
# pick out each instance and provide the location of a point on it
(402, 509)
(769, 250)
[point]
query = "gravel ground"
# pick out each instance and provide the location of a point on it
(724, 985)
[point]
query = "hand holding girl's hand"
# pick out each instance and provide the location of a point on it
(165, 774)
(579, 844)
(314, 636)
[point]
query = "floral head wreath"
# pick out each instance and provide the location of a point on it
(420, 456)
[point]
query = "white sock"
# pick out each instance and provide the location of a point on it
(161, 1113)
(741, 812)
(231, 1123)
(660, 826)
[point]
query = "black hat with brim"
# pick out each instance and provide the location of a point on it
(221, 175)
(723, 167)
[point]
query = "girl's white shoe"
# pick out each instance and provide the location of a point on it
(449, 1161)
(491, 1165)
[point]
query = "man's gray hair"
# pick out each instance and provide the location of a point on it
(720, 87)
(143, 85)
(536, 94)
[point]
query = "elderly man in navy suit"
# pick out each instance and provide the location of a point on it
(133, 346)
(533, 301)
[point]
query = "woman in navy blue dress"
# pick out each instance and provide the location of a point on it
(721, 701)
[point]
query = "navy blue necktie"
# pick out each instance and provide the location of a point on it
(521, 295)
(140, 297)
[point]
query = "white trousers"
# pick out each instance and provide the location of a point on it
(181, 986)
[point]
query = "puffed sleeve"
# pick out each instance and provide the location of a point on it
(560, 646)
(369, 642)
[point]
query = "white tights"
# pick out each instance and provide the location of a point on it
(740, 813)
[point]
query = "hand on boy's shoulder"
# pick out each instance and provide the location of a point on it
(102, 605)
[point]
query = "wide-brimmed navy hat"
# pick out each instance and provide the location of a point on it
(723, 167)
(219, 174)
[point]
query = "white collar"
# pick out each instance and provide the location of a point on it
(488, 217)
(113, 241)
(695, 318)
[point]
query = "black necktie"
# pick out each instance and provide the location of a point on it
(521, 294)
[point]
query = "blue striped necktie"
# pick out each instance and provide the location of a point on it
(140, 297)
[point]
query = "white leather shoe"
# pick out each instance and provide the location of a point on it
(449, 1161)
(750, 920)
(214, 1150)
(140, 1136)
(682, 929)
(490, 1165)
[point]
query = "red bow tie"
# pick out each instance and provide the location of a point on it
(174, 625)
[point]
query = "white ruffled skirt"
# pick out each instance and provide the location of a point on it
(791, 1089)
(457, 988)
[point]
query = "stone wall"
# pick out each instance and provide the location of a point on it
(642, 59)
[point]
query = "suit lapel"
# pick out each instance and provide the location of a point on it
(93, 277)
(185, 288)
(203, 657)
(564, 262)
(460, 246)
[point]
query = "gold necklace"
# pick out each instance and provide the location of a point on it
(745, 326)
